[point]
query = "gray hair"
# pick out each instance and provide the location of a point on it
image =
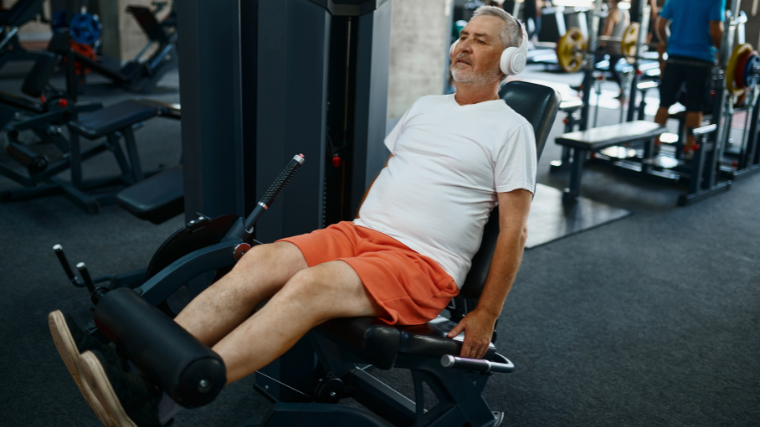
(511, 33)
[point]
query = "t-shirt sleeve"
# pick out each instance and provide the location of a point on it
(666, 12)
(515, 165)
(390, 140)
(716, 11)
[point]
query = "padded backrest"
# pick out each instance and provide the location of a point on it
(539, 105)
(37, 79)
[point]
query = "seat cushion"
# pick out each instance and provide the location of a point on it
(112, 118)
(156, 199)
(380, 344)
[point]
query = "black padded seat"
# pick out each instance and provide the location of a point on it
(112, 119)
(379, 344)
(22, 103)
(156, 199)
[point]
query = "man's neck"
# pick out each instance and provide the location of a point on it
(467, 94)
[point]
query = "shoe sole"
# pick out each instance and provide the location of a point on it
(69, 353)
(95, 376)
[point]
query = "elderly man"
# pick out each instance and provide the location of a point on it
(402, 260)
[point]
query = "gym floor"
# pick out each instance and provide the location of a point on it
(650, 320)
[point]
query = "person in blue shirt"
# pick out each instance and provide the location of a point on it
(690, 31)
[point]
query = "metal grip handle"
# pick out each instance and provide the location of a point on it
(274, 190)
(285, 176)
(477, 365)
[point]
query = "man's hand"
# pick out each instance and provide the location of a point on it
(478, 329)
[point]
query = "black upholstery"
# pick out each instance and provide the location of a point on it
(37, 79)
(156, 199)
(380, 344)
(537, 103)
(112, 118)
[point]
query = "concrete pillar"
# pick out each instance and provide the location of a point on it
(419, 51)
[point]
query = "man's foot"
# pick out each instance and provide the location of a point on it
(70, 340)
(130, 400)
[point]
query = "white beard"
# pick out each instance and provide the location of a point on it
(470, 76)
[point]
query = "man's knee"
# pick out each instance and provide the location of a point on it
(331, 289)
(272, 255)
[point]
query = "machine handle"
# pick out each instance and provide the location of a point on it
(274, 190)
(477, 365)
(76, 281)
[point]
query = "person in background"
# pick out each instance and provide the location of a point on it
(614, 25)
(690, 31)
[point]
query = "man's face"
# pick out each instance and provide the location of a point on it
(475, 59)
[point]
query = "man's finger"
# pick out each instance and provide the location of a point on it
(456, 330)
(465, 350)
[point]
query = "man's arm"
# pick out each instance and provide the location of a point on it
(370, 186)
(716, 33)
(479, 324)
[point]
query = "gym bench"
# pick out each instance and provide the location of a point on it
(594, 140)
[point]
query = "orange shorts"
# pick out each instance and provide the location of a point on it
(411, 288)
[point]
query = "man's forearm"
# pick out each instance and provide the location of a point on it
(501, 276)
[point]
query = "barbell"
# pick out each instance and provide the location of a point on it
(572, 46)
(742, 71)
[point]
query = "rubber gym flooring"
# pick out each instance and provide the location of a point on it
(652, 320)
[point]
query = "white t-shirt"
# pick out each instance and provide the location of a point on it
(449, 162)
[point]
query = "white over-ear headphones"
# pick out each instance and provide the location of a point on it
(513, 59)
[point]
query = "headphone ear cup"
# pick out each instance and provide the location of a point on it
(453, 47)
(505, 63)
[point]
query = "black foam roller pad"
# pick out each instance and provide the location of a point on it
(185, 368)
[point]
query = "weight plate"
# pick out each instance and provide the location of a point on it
(731, 68)
(628, 43)
(741, 62)
(752, 71)
(570, 50)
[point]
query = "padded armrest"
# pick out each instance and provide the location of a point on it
(380, 344)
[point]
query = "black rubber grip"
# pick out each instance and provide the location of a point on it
(58, 249)
(274, 190)
(285, 176)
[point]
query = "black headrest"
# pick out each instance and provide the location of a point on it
(35, 81)
(539, 105)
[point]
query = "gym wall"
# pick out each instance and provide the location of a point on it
(419, 43)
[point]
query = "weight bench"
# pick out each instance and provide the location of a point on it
(110, 122)
(193, 375)
(162, 196)
(594, 140)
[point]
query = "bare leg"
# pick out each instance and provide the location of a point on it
(661, 118)
(261, 272)
(311, 297)
(693, 120)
